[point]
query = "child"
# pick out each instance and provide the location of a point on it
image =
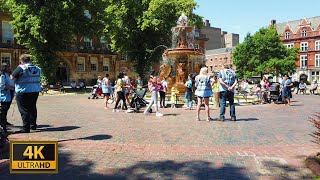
(174, 93)
(259, 93)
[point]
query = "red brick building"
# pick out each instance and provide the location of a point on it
(305, 35)
(216, 58)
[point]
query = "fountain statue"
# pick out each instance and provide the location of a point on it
(183, 58)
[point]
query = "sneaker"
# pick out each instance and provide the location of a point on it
(209, 119)
(159, 114)
(221, 119)
(233, 118)
(129, 111)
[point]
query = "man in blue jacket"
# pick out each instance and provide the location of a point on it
(27, 87)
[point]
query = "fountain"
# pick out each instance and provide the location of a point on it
(183, 58)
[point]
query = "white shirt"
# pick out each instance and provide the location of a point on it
(164, 85)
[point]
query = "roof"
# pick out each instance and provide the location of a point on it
(219, 51)
(294, 25)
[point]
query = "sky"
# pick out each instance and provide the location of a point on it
(243, 16)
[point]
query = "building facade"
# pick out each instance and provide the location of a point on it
(305, 35)
(218, 38)
(215, 59)
(84, 61)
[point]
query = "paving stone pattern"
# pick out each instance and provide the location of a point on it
(267, 142)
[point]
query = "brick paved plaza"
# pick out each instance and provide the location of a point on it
(268, 142)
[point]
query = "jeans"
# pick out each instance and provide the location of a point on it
(162, 98)
(120, 96)
(154, 100)
(28, 109)
(224, 96)
(188, 97)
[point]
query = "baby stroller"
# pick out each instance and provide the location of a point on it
(275, 93)
(137, 100)
(94, 92)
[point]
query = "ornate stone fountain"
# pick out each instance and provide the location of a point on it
(183, 58)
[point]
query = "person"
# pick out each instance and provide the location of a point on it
(286, 89)
(263, 81)
(5, 96)
(127, 86)
(99, 83)
(245, 88)
(259, 93)
(153, 88)
(216, 93)
(228, 81)
(162, 92)
(7, 71)
(120, 94)
(73, 85)
(139, 83)
(189, 93)
(203, 91)
(314, 87)
(27, 87)
(82, 85)
(302, 87)
(173, 98)
(106, 89)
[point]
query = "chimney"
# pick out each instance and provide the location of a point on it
(273, 22)
(206, 23)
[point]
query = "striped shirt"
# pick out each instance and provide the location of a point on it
(227, 76)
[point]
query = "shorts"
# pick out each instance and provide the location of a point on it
(202, 97)
(106, 94)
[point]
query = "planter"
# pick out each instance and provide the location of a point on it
(313, 163)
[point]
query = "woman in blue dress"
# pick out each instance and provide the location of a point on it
(286, 89)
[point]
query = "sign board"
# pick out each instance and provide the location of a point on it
(34, 157)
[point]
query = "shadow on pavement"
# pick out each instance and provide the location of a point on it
(172, 114)
(167, 169)
(94, 137)
(247, 119)
(63, 128)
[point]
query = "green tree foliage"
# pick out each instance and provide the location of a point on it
(264, 53)
(138, 27)
(47, 27)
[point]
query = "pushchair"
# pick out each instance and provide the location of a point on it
(137, 101)
(275, 93)
(94, 92)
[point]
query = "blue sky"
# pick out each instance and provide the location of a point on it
(243, 16)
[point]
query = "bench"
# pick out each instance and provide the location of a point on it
(57, 88)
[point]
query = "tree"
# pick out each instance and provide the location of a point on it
(264, 53)
(48, 27)
(138, 27)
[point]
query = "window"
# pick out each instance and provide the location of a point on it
(211, 68)
(196, 46)
(103, 43)
(81, 64)
(94, 64)
(106, 64)
(317, 45)
(196, 34)
(304, 33)
(287, 35)
(289, 46)
(5, 58)
(317, 60)
(216, 59)
(124, 57)
(87, 43)
(315, 76)
(303, 61)
(220, 59)
(7, 32)
(304, 46)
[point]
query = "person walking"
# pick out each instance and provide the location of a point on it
(153, 88)
(120, 94)
(203, 84)
(162, 92)
(106, 89)
(228, 81)
(5, 96)
(216, 93)
(286, 90)
(6, 69)
(27, 87)
(189, 93)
